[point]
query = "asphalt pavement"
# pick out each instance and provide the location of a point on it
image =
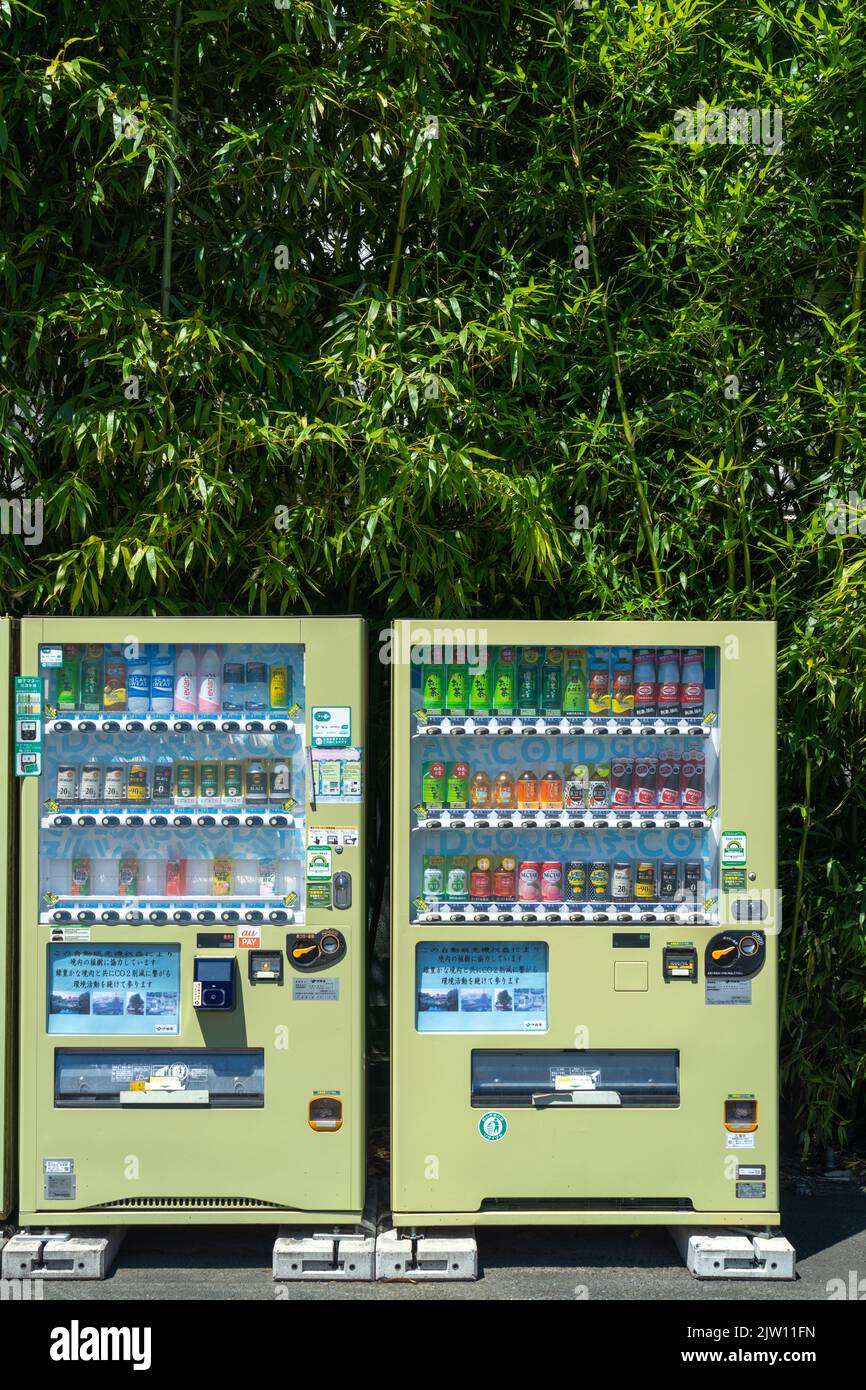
(825, 1221)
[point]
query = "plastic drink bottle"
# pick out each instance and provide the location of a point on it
(479, 691)
(138, 684)
(209, 682)
(433, 683)
(91, 678)
(574, 696)
(185, 682)
(692, 683)
(114, 681)
(256, 690)
(457, 683)
(162, 680)
(69, 679)
(528, 681)
(551, 681)
(234, 687)
(503, 681)
(669, 681)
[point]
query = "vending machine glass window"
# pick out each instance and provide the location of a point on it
(565, 784)
(173, 784)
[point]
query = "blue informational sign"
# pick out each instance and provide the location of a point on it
(481, 987)
(102, 990)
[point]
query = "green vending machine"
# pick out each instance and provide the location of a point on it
(193, 921)
(584, 924)
(7, 923)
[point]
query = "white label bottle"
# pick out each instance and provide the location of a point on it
(209, 683)
(185, 682)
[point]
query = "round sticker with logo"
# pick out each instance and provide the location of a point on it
(492, 1126)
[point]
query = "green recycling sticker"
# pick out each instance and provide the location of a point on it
(492, 1126)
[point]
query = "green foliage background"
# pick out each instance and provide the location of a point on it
(375, 322)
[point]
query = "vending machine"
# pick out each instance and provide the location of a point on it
(584, 924)
(7, 926)
(192, 921)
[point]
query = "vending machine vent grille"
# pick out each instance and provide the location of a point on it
(189, 1204)
(587, 1204)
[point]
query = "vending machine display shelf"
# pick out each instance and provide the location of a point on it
(154, 911)
(89, 816)
(563, 914)
(575, 726)
(577, 820)
(171, 723)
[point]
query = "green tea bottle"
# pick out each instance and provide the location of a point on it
(479, 690)
(433, 683)
(69, 679)
(528, 675)
(503, 682)
(574, 699)
(457, 683)
(551, 681)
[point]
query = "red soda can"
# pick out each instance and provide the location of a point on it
(551, 882)
(529, 882)
(692, 782)
(621, 775)
(644, 784)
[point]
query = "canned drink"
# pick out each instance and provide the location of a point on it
(621, 776)
(529, 882)
(599, 881)
(280, 780)
(162, 782)
(67, 783)
(620, 884)
(233, 784)
(693, 879)
(185, 782)
(114, 785)
(551, 882)
(576, 787)
(576, 880)
(257, 779)
(669, 877)
(138, 785)
(90, 782)
(599, 787)
(280, 687)
(645, 880)
(209, 781)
